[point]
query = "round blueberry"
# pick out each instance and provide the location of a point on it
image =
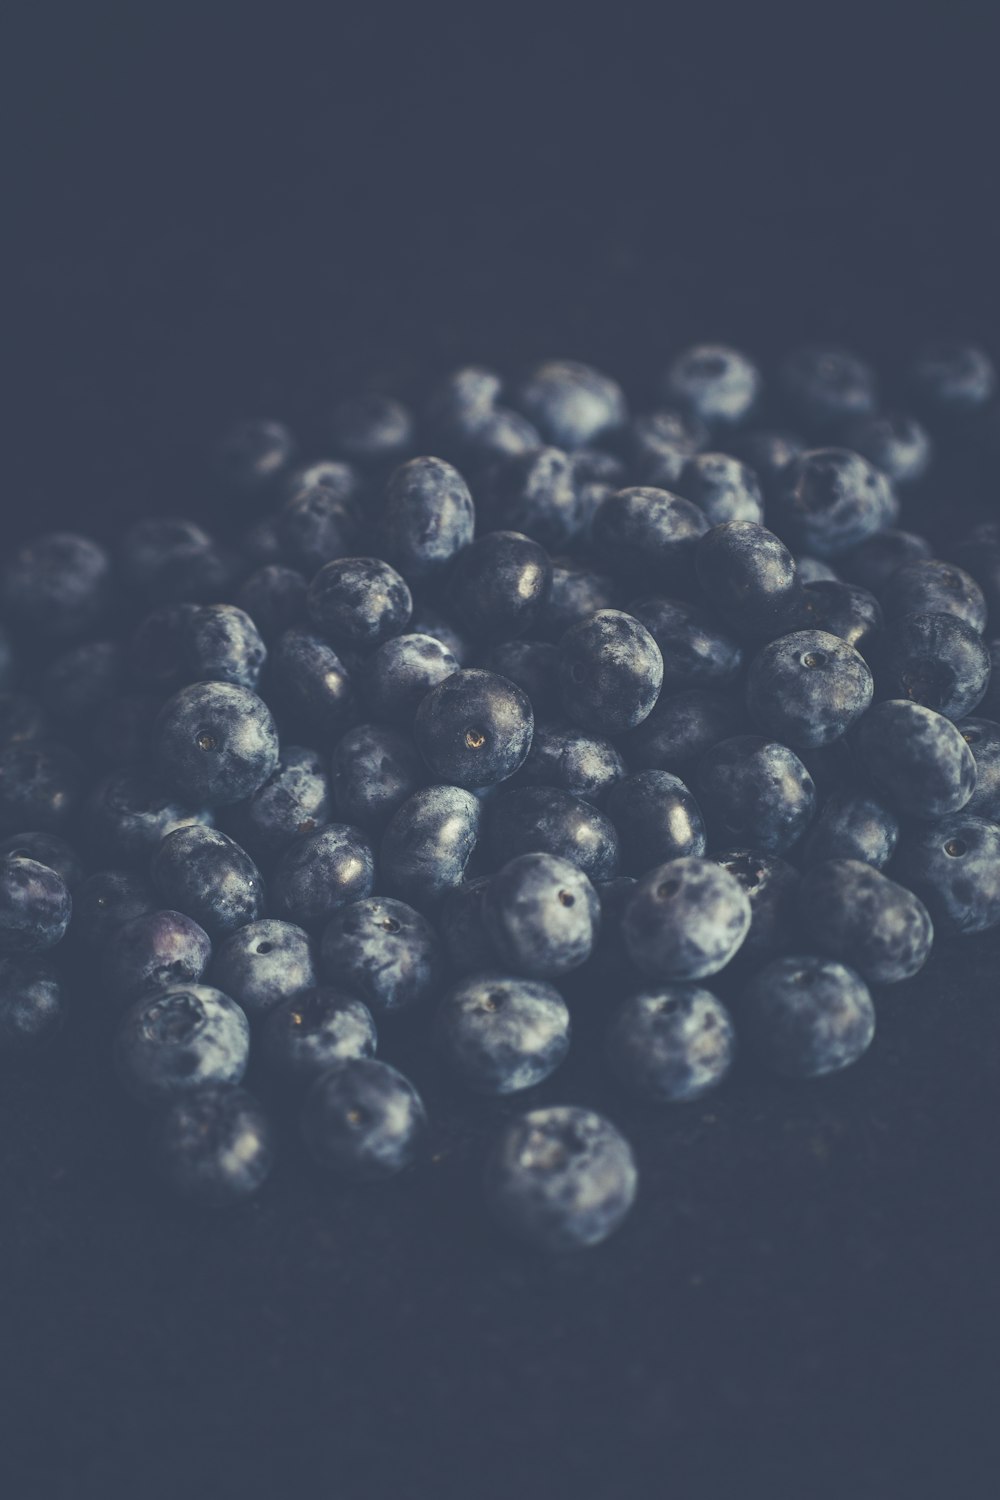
(294, 799)
(216, 742)
(500, 1035)
(570, 403)
(851, 824)
(772, 888)
(499, 585)
(428, 516)
(953, 865)
(32, 1004)
(206, 875)
(40, 785)
(214, 1146)
(55, 586)
(697, 650)
(155, 950)
(167, 558)
(656, 819)
(373, 771)
(542, 916)
(716, 384)
(682, 727)
(178, 1040)
(748, 574)
(949, 378)
(756, 790)
(561, 756)
(895, 443)
(130, 811)
(275, 599)
(106, 899)
(915, 758)
(317, 520)
(659, 444)
(936, 660)
(928, 586)
(648, 533)
(252, 453)
(671, 1044)
(358, 602)
(320, 872)
(808, 1016)
(263, 964)
(722, 487)
(842, 609)
(372, 429)
(35, 906)
(825, 388)
(312, 683)
(383, 951)
(546, 820)
(873, 562)
(474, 729)
(221, 643)
(428, 843)
(685, 919)
(852, 911)
(362, 1119)
(313, 1030)
(610, 672)
(401, 672)
(830, 499)
(808, 688)
(537, 493)
(46, 849)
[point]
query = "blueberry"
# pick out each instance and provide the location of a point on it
(766, 451)
(610, 672)
(275, 599)
(106, 899)
(221, 643)
(983, 738)
(536, 493)
(825, 388)
(656, 819)
(829, 500)
(936, 660)
(384, 952)
(373, 771)
(32, 1004)
(546, 820)
(716, 384)
(311, 681)
(206, 875)
(682, 727)
(320, 872)
(659, 445)
(252, 453)
(317, 520)
(851, 824)
(915, 758)
(362, 1119)
(214, 1146)
(427, 621)
(951, 378)
(927, 587)
(748, 574)
(852, 911)
(55, 586)
(216, 742)
(428, 843)
(685, 919)
(571, 404)
(474, 729)
(895, 443)
(576, 592)
(316, 1028)
(873, 562)
(953, 865)
(401, 672)
(372, 429)
(40, 786)
(468, 395)
(648, 534)
(697, 650)
(81, 680)
(723, 487)
(596, 474)
(500, 1035)
(808, 1016)
(671, 1044)
(842, 609)
(428, 517)
(129, 811)
(178, 1040)
(756, 790)
(263, 964)
(561, 1178)
(564, 757)
(542, 916)
(22, 719)
(499, 585)
(358, 602)
(295, 799)
(46, 849)
(772, 887)
(531, 666)
(35, 906)
(155, 950)
(168, 559)
(808, 688)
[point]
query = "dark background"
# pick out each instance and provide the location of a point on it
(232, 211)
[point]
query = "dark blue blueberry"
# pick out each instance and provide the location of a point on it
(220, 643)
(428, 516)
(474, 729)
(252, 453)
(275, 599)
(842, 609)
(55, 586)
(81, 681)
(311, 682)
(46, 849)
(825, 388)
(372, 429)
(851, 824)
(935, 659)
(362, 1119)
(873, 562)
(216, 742)
(808, 688)
(320, 872)
(167, 559)
(610, 672)
(723, 487)
(22, 718)
(570, 403)
(263, 964)
(807, 1016)
(756, 791)
(813, 570)
(32, 1004)
(428, 844)
(312, 1031)
(983, 738)
(953, 865)
(697, 650)
(462, 925)
(564, 757)
(576, 593)
(542, 915)
(156, 950)
(766, 451)
(681, 728)
(531, 666)
(106, 899)
(536, 493)
(929, 587)
(950, 379)
(40, 786)
(373, 771)
(671, 1044)
(129, 811)
(772, 888)
(501, 434)
(499, 586)
(464, 399)
(748, 574)
(215, 1146)
(399, 674)
(716, 384)
(915, 758)
(546, 820)
(895, 443)
(178, 1040)
(295, 799)
(648, 534)
(206, 875)
(318, 518)
(384, 952)
(659, 444)
(561, 1178)
(685, 919)
(358, 602)
(35, 906)
(852, 911)
(500, 1035)
(656, 819)
(829, 500)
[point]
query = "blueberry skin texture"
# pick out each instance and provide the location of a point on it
(657, 819)
(40, 786)
(32, 1004)
(401, 672)
(852, 911)
(873, 563)
(358, 602)
(545, 820)
(46, 849)
(830, 500)
(428, 843)
(951, 379)
(930, 586)
(807, 1016)
(317, 520)
(748, 574)
(106, 899)
(474, 729)
(842, 609)
(35, 906)
(216, 742)
(722, 487)
(373, 771)
(571, 404)
(461, 922)
(685, 919)
(610, 672)
(499, 585)
(542, 915)
(156, 950)
(648, 533)
(531, 666)
(658, 444)
(697, 650)
(320, 872)
(384, 952)
(756, 790)
(895, 443)
(178, 1040)
(214, 1147)
(363, 1120)
(251, 454)
(206, 875)
(275, 599)
(500, 1035)
(55, 586)
(953, 865)
(311, 681)
(772, 888)
(560, 1179)
(983, 738)
(295, 799)
(576, 593)
(808, 688)
(682, 727)
(825, 388)
(312, 1031)
(536, 493)
(671, 1044)
(130, 810)
(715, 384)
(428, 516)
(372, 429)
(851, 824)
(264, 964)
(564, 757)
(915, 758)
(220, 643)
(936, 660)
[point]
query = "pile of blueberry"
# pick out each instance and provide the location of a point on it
(552, 713)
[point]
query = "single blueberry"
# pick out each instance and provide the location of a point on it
(155, 950)
(474, 729)
(499, 585)
(401, 672)
(716, 384)
(895, 443)
(570, 403)
(610, 672)
(953, 865)
(318, 518)
(32, 1004)
(358, 602)
(167, 559)
(320, 872)
(648, 534)
(374, 769)
(295, 799)
(252, 453)
(851, 824)
(311, 682)
(214, 1146)
(542, 915)
(206, 875)
(178, 1040)
(263, 964)
(500, 1035)
(536, 493)
(949, 378)
(852, 911)
(825, 388)
(722, 487)
(658, 445)
(384, 952)
(428, 843)
(748, 574)
(842, 609)
(656, 818)
(808, 688)
(362, 1119)
(372, 429)
(55, 586)
(807, 1016)
(756, 790)
(927, 587)
(546, 820)
(428, 516)
(313, 1030)
(220, 643)
(685, 919)
(35, 906)
(915, 758)
(697, 650)
(671, 1044)
(216, 742)
(829, 500)
(936, 660)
